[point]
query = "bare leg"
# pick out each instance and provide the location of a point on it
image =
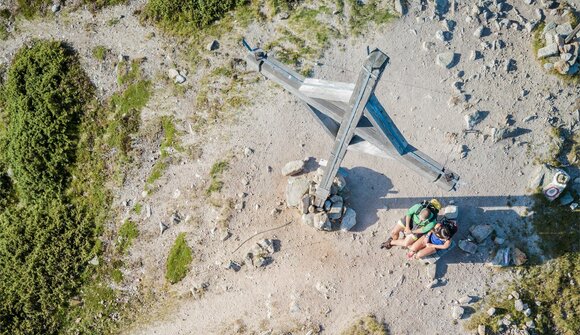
(418, 245)
(425, 252)
(404, 242)
(395, 232)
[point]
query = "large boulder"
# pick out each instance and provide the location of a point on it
(293, 167)
(348, 220)
(481, 232)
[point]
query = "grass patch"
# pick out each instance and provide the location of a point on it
(550, 291)
(179, 260)
(138, 208)
(100, 52)
(216, 172)
(169, 143)
(31, 8)
(369, 12)
(367, 325)
(127, 233)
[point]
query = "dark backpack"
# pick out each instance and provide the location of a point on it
(430, 207)
(451, 226)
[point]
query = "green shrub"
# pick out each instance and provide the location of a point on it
(364, 13)
(217, 169)
(44, 247)
(45, 92)
(367, 325)
(184, 16)
(178, 261)
(31, 8)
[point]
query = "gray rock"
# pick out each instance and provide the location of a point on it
(473, 118)
(335, 211)
(428, 46)
(295, 189)
(530, 324)
(339, 181)
(233, 266)
(548, 66)
(293, 167)
(529, 2)
(549, 26)
(475, 55)
(441, 35)
(547, 51)
(308, 219)
(491, 311)
(479, 31)
(465, 300)
(94, 261)
(564, 29)
(213, 45)
(467, 246)
(527, 312)
(348, 220)
(480, 232)
(180, 79)
(162, 227)
(321, 221)
(172, 73)
(481, 330)
(519, 305)
(446, 59)
(55, 8)
(304, 204)
(457, 312)
(531, 25)
(248, 152)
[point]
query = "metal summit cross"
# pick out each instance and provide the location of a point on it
(353, 116)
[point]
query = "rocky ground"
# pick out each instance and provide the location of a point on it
(475, 99)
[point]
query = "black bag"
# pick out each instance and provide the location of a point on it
(451, 226)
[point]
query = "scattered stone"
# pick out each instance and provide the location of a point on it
(479, 31)
(481, 330)
(248, 152)
(498, 240)
(304, 204)
(335, 211)
(531, 25)
(348, 220)
(233, 266)
(466, 300)
(548, 66)
(175, 218)
(180, 79)
(321, 221)
(162, 227)
(293, 167)
(55, 8)
(527, 312)
(428, 46)
(473, 118)
(519, 305)
(296, 188)
(440, 35)
(446, 59)
(491, 311)
(457, 312)
(213, 45)
(481, 232)
(564, 29)
(475, 55)
(530, 324)
(94, 261)
(467, 246)
(547, 51)
(172, 73)
(148, 211)
(225, 235)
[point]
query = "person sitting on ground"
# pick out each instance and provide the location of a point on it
(420, 219)
(434, 241)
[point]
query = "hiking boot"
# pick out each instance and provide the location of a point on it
(387, 245)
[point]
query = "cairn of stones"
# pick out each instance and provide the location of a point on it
(300, 194)
(561, 50)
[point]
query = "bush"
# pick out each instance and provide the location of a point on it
(186, 16)
(45, 92)
(31, 8)
(367, 325)
(44, 248)
(178, 260)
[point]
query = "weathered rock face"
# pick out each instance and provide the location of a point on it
(467, 246)
(295, 190)
(481, 232)
(348, 220)
(293, 168)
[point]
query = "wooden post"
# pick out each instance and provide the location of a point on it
(363, 90)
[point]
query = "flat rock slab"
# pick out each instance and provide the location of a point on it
(293, 167)
(295, 190)
(547, 51)
(467, 246)
(481, 232)
(447, 59)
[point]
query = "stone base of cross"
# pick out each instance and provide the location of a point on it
(352, 114)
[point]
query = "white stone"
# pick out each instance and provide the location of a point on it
(457, 312)
(292, 168)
